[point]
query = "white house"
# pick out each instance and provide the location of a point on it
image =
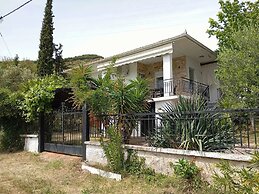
(180, 65)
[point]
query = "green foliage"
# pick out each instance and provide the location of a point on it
(10, 139)
(135, 165)
(12, 77)
(187, 176)
(38, 94)
(88, 57)
(234, 180)
(115, 96)
(82, 59)
(80, 82)
(59, 64)
(238, 70)
(45, 58)
(10, 131)
(255, 159)
(185, 169)
(183, 128)
(234, 16)
(113, 150)
(112, 95)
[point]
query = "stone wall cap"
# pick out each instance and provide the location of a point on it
(216, 155)
(203, 154)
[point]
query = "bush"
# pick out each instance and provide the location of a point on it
(114, 153)
(187, 125)
(185, 169)
(188, 176)
(10, 139)
(232, 180)
(113, 150)
(38, 94)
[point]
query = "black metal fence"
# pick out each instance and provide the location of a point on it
(206, 130)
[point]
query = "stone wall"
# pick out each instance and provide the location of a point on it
(149, 70)
(160, 158)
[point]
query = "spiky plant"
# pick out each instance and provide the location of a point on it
(189, 125)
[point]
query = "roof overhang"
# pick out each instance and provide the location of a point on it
(139, 56)
(181, 45)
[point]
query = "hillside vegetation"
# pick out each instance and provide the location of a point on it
(69, 62)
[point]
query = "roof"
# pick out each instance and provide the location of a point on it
(154, 45)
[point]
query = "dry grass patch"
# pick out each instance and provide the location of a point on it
(53, 173)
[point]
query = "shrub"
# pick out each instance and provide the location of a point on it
(188, 176)
(113, 150)
(10, 139)
(135, 165)
(232, 180)
(38, 94)
(187, 125)
(114, 153)
(185, 169)
(11, 121)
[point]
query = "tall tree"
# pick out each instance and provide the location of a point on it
(238, 70)
(45, 58)
(233, 16)
(236, 29)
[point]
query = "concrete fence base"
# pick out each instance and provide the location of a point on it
(159, 159)
(31, 143)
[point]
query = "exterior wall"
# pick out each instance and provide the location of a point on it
(209, 77)
(190, 63)
(179, 68)
(160, 158)
(129, 72)
(149, 72)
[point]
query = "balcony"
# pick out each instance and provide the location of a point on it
(184, 86)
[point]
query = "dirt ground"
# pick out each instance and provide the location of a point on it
(55, 173)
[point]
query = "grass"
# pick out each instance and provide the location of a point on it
(51, 173)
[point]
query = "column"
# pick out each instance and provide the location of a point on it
(168, 74)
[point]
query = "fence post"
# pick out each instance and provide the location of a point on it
(41, 132)
(85, 130)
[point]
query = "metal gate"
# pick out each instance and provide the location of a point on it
(64, 131)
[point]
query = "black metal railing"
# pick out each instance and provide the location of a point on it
(63, 127)
(193, 87)
(183, 86)
(217, 129)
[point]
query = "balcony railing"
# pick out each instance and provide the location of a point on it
(184, 86)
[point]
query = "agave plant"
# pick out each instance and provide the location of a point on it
(189, 125)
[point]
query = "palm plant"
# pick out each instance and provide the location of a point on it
(111, 97)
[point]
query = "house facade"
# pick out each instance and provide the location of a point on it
(176, 66)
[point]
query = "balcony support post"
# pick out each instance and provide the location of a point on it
(168, 74)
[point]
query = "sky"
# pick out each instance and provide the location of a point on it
(103, 27)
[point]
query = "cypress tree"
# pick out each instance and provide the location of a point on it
(45, 58)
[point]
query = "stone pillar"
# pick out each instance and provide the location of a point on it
(168, 74)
